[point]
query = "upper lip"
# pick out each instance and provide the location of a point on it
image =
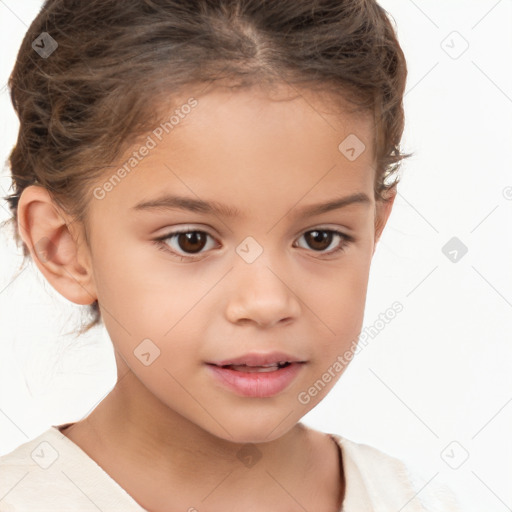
(259, 359)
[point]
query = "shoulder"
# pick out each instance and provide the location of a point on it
(50, 472)
(377, 477)
(23, 472)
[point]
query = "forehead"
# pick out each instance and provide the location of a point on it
(281, 143)
(264, 111)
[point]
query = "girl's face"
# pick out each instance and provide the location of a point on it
(258, 273)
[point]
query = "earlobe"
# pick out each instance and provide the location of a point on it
(55, 245)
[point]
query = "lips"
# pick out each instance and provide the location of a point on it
(256, 381)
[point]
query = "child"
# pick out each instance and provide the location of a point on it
(255, 130)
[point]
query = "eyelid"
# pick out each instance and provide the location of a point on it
(346, 231)
(208, 230)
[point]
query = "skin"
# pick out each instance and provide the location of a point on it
(168, 432)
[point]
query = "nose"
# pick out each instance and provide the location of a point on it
(261, 295)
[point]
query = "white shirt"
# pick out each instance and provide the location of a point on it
(52, 474)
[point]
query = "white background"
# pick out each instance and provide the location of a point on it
(441, 370)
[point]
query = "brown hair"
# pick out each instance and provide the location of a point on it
(117, 63)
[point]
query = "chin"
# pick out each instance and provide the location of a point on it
(253, 432)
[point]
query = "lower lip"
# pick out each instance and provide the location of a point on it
(257, 384)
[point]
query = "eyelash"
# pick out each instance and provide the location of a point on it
(163, 246)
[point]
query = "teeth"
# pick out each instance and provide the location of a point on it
(254, 369)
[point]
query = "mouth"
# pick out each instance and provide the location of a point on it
(261, 380)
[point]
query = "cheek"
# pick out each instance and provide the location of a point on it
(338, 307)
(340, 313)
(130, 297)
(129, 274)
(341, 291)
(145, 299)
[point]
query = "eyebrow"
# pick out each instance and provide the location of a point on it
(171, 202)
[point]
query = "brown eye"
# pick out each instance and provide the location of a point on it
(192, 241)
(319, 240)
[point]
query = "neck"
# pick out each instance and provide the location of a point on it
(160, 457)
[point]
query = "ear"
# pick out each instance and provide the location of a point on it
(382, 213)
(57, 245)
